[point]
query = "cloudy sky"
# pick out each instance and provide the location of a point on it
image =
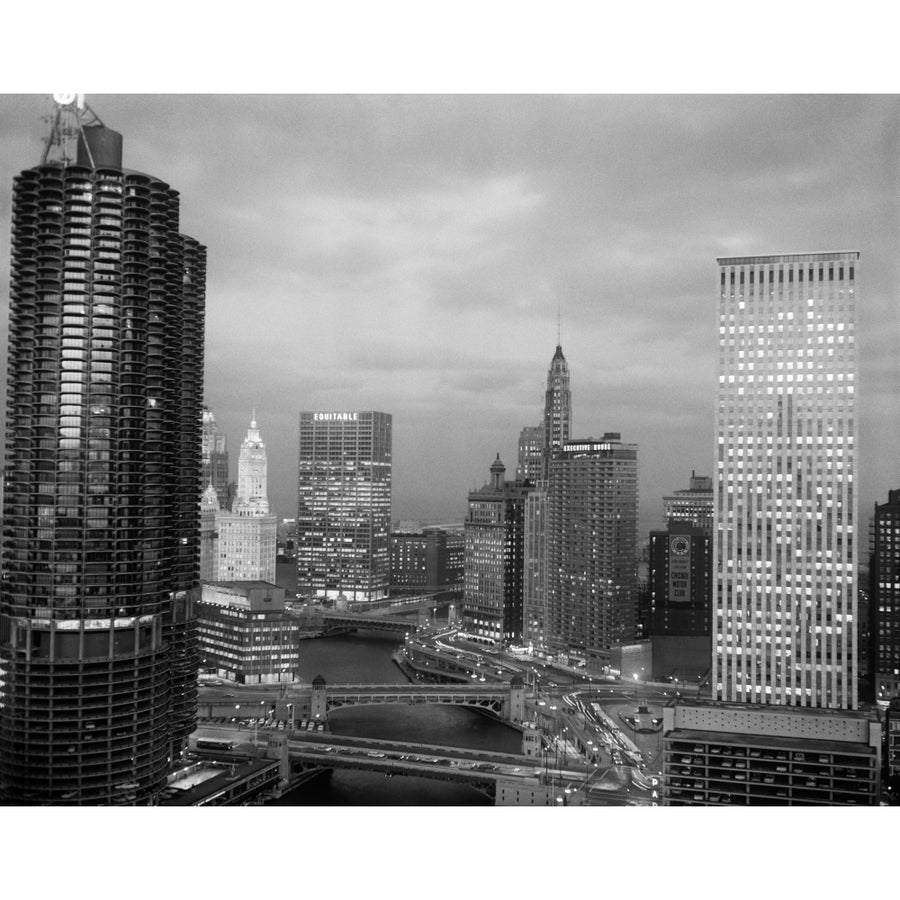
(409, 254)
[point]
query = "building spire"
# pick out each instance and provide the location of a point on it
(558, 341)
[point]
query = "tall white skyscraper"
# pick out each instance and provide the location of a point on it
(251, 497)
(245, 538)
(785, 536)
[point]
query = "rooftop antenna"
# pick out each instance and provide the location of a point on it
(558, 342)
(70, 116)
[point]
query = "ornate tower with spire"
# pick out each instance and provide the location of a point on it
(245, 537)
(251, 497)
(214, 458)
(557, 408)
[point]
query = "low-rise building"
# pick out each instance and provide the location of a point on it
(246, 635)
(742, 754)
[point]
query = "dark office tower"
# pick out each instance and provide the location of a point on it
(420, 562)
(591, 569)
(884, 587)
(214, 459)
(531, 454)
(557, 408)
(100, 535)
(344, 505)
(681, 601)
(495, 535)
(534, 588)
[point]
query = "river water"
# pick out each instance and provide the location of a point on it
(365, 658)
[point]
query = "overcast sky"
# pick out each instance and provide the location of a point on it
(409, 254)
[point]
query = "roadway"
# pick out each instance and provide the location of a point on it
(328, 750)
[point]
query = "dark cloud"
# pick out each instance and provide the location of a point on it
(409, 254)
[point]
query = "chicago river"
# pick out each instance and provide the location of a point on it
(365, 658)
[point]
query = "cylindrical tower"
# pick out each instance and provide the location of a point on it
(101, 520)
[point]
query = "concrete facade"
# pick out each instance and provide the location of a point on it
(245, 633)
(591, 567)
(785, 541)
(751, 755)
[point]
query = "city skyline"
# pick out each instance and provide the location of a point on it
(411, 254)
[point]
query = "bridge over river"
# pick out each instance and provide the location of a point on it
(505, 700)
(506, 777)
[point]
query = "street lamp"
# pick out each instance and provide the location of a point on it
(256, 722)
(237, 714)
(290, 717)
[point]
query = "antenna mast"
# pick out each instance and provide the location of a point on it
(70, 115)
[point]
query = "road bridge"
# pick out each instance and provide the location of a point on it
(332, 619)
(504, 700)
(496, 774)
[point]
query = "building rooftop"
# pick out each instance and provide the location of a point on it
(243, 587)
(775, 741)
(809, 256)
(777, 708)
(200, 781)
(258, 596)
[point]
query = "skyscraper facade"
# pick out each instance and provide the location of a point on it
(252, 483)
(785, 537)
(531, 454)
(209, 509)
(246, 538)
(591, 573)
(420, 562)
(495, 532)
(884, 581)
(557, 408)
(214, 459)
(537, 447)
(534, 588)
(101, 539)
(344, 505)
